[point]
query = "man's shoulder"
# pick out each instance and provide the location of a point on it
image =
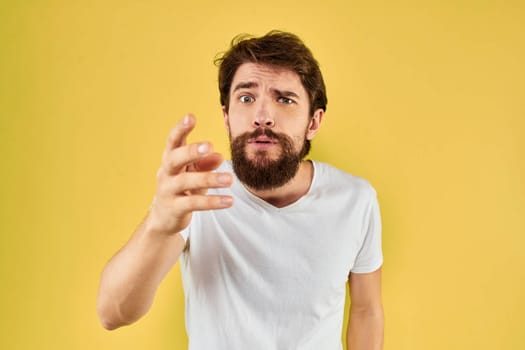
(329, 175)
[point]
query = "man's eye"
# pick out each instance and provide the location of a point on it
(246, 99)
(286, 100)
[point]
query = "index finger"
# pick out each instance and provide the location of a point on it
(177, 135)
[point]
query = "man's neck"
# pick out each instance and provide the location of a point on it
(290, 192)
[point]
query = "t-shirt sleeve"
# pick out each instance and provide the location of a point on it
(370, 255)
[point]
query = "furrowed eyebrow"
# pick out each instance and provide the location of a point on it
(245, 85)
(276, 92)
(285, 93)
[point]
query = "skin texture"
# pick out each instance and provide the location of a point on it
(260, 97)
(366, 323)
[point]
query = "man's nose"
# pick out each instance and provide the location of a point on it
(263, 117)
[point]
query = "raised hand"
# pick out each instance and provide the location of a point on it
(183, 179)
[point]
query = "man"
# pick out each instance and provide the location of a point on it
(268, 241)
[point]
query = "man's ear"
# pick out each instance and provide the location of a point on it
(226, 118)
(315, 124)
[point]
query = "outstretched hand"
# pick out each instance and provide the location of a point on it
(183, 179)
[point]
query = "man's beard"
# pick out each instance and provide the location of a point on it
(261, 172)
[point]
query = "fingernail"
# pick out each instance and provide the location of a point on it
(226, 201)
(223, 179)
(203, 148)
(186, 120)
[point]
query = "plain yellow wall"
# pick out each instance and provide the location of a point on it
(426, 100)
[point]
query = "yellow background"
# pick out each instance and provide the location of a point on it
(426, 100)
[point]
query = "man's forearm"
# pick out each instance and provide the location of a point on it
(130, 279)
(365, 329)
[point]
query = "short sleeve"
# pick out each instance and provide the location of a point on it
(370, 255)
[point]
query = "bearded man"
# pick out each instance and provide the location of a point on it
(267, 241)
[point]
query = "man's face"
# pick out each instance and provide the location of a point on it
(269, 123)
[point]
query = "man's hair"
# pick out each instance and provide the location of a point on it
(278, 49)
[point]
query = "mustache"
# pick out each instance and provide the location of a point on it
(266, 132)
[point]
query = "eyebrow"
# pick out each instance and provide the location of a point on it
(285, 93)
(252, 84)
(245, 85)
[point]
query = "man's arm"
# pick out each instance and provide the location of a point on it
(130, 279)
(366, 324)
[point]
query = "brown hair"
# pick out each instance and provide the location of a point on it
(277, 48)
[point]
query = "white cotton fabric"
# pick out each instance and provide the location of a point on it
(260, 277)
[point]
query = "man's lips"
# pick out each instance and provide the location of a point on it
(262, 143)
(263, 139)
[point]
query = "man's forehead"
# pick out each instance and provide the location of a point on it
(255, 73)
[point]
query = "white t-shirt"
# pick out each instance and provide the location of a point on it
(260, 277)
